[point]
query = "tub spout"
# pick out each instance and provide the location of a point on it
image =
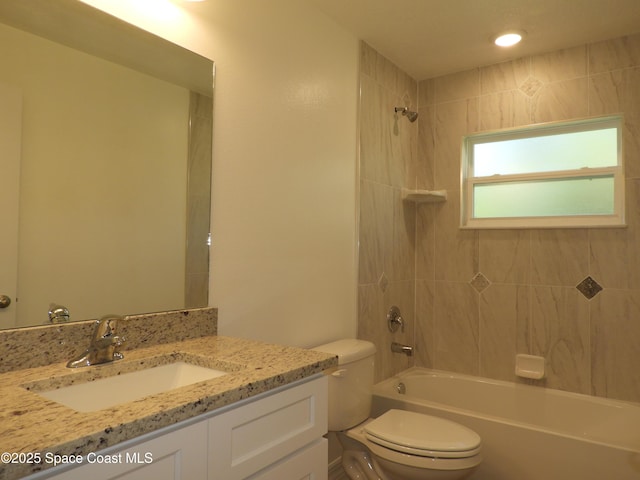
(400, 348)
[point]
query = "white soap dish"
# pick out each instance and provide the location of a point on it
(530, 366)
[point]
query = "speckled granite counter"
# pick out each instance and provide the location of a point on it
(30, 423)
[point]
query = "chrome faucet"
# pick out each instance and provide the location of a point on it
(400, 348)
(104, 344)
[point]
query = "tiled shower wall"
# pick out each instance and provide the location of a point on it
(388, 162)
(482, 296)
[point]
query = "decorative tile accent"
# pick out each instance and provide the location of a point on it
(589, 287)
(383, 282)
(479, 282)
(531, 86)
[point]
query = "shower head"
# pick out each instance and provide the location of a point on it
(412, 116)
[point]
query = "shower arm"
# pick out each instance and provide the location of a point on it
(411, 116)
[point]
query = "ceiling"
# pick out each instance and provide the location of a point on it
(429, 38)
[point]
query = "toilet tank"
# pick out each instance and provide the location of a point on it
(351, 383)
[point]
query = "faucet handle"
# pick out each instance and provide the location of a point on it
(118, 341)
(106, 326)
(394, 319)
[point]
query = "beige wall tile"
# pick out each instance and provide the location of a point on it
(453, 121)
(503, 308)
(456, 250)
(614, 54)
(457, 327)
(426, 148)
(378, 68)
(425, 242)
(615, 92)
(403, 163)
(560, 332)
(425, 342)
(560, 65)
(615, 252)
(504, 255)
(559, 257)
(375, 132)
(504, 76)
(407, 89)
(458, 86)
(402, 255)
(631, 150)
(402, 295)
(376, 219)
(370, 326)
(368, 60)
(616, 344)
(426, 93)
(373, 306)
(388, 75)
(561, 101)
(504, 110)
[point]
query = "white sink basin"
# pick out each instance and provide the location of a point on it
(110, 391)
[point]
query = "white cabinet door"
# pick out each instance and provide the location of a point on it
(251, 437)
(179, 455)
(308, 464)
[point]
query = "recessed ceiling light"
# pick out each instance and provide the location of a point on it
(508, 39)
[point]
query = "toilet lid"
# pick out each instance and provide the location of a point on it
(420, 434)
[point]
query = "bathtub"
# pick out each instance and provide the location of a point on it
(528, 433)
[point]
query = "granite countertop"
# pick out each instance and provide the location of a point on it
(31, 424)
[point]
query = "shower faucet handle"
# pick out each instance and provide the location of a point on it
(394, 320)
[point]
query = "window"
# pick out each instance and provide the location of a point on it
(552, 175)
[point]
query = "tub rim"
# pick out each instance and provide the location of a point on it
(391, 394)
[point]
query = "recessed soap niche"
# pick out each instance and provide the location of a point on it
(530, 366)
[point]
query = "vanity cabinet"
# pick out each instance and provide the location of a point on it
(247, 439)
(277, 435)
(177, 455)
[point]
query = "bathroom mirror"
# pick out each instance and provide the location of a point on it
(109, 153)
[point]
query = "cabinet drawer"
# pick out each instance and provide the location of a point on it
(249, 438)
(308, 464)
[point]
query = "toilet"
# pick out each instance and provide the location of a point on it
(398, 445)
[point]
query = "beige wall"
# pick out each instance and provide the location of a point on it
(526, 299)
(284, 173)
(388, 162)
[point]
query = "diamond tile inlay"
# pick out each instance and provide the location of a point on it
(531, 86)
(589, 287)
(479, 282)
(383, 282)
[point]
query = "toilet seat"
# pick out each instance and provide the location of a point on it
(422, 435)
(424, 463)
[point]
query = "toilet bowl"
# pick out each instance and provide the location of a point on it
(410, 445)
(398, 445)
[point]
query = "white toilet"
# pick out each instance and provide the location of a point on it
(398, 445)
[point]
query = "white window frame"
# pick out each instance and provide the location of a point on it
(558, 221)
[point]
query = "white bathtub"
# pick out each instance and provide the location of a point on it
(528, 433)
